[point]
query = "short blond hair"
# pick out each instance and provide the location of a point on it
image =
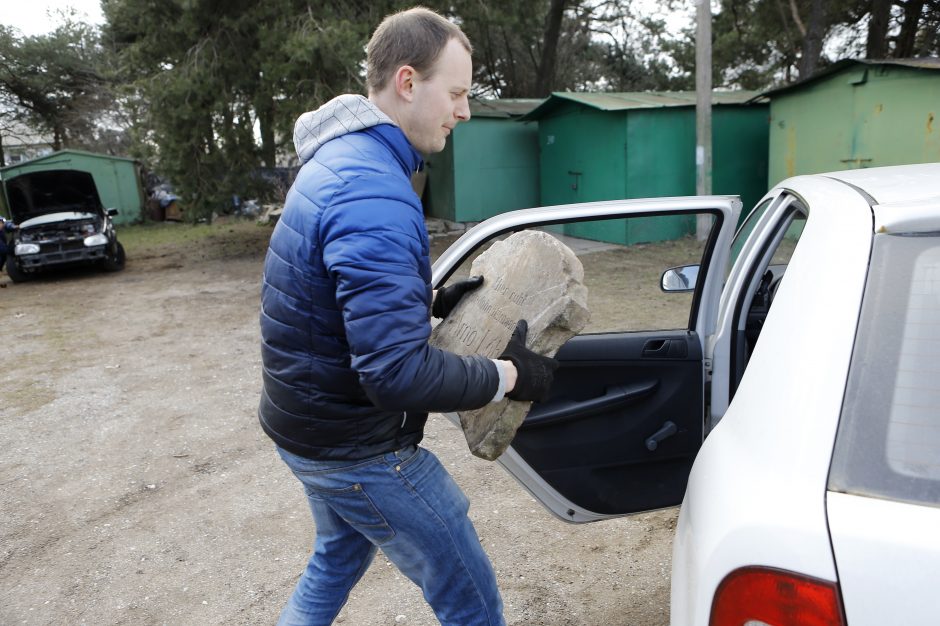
(413, 37)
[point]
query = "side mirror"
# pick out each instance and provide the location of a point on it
(112, 212)
(680, 279)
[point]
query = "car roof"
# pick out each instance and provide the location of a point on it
(904, 198)
(900, 184)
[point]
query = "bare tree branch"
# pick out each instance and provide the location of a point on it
(795, 12)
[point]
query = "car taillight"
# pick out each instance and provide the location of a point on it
(756, 595)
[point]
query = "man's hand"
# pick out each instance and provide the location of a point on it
(535, 372)
(447, 298)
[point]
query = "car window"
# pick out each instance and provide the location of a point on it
(787, 244)
(888, 442)
(765, 278)
(623, 262)
(745, 230)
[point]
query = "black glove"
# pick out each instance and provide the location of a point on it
(448, 297)
(535, 372)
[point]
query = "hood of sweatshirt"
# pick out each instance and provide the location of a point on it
(341, 115)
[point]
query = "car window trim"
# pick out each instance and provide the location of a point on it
(790, 205)
(705, 263)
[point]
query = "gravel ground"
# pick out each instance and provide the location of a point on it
(137, 487)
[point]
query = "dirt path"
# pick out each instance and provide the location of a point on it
(137, 487)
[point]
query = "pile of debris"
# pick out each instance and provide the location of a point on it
(270, 214)
(438, 227)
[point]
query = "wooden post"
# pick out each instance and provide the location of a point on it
(703, 110)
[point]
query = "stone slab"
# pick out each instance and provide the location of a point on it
(530, 275)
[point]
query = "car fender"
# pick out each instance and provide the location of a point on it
(756, 495)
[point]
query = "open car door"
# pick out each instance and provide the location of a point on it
(625, 417)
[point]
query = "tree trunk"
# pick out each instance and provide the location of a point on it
(877, 46)
(913, 9)
(545, 79)
(511, 86)
(492, 78)
(791, 46)
(228, 124)
(266, 121)
(208, 134)
(812, 42)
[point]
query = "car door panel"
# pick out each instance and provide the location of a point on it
(621, 428)
(625, 416)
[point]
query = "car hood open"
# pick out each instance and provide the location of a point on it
(37, 194)
(53, 218)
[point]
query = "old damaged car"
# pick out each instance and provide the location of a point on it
(788, 396)
(60, 221)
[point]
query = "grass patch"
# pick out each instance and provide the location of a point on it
(214, 240)
(28, 398)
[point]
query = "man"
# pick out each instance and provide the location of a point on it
(5, 227)
(349, 376)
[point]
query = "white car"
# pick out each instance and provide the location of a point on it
(795, 415)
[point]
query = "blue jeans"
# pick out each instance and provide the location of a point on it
(406, 503)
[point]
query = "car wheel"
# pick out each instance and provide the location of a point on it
(14, 272)
(115, 263)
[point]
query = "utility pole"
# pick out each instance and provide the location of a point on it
(703, 110)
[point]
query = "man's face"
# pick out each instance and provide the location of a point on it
(439, 102)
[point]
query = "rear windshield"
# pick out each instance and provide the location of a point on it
(888, 444)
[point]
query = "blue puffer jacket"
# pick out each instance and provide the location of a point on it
(348, 372)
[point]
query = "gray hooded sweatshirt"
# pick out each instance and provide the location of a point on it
(341, 115)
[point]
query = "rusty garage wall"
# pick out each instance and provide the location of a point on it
(856, 114)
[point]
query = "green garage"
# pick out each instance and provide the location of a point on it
(612, 146)
(489, 166)
(856, 114)
(116, 178)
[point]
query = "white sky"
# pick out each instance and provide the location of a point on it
(35, 17)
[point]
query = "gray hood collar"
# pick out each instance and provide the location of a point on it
(341, 115)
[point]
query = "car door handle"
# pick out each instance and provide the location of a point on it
(665, 349)
(572, 410)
